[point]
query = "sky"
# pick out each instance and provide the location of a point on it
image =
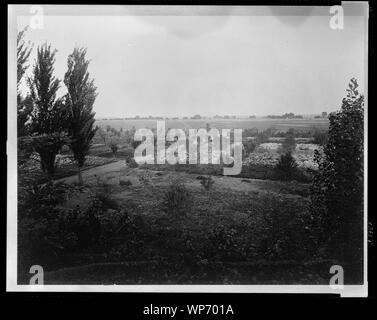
(228, 64)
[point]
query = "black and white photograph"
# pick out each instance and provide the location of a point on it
(188, 148)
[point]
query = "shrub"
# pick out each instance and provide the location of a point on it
(24, 150)
(177, 199)
(48, 146)
(132, 163)
(289, 143)
(45, 229)
(320, 137)
(114, 147)
(286, 168)
(86, 226)
(102, 197)
(50, 234)
(226, 243)
(249, 147)
(43, 238)
(285, 229)
(135, 143)
(119, 228)
(125, 183)
(263, 136)
(130, 160)
(36, 199)
(207, 182)
(145, 177)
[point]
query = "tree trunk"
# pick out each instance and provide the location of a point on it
(81, 182)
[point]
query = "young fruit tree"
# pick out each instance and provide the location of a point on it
(47, 116)
(79, 106)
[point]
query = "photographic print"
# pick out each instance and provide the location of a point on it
(187, 148)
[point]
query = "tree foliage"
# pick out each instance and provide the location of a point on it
(320, 137)
(48, 146)
(79, 102)
(289, 143)
(286, 168)
(337, 191)
(47, 114)
(23, 53)
(24, 106)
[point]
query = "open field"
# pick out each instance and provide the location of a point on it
(260, 124)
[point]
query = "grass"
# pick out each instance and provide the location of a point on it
(189, 248)
(32, 170)
(228, 236)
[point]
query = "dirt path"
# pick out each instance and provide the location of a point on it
(89, 175)
(112, 173)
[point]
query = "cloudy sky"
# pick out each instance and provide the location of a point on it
(180, 65)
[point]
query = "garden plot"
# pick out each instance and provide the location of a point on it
(268, 154)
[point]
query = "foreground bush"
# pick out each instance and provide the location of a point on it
(320, 137)
(35, 200)
(207, 182)
(284, 230)
(49, 234)
(177, 199)
(286, 168)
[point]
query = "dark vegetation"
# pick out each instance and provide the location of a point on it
(106, 232)
(289, 115)
(337, 192)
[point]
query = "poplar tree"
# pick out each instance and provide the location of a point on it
(24, 106)
(79, 106)
(337, 191)
(47, 116)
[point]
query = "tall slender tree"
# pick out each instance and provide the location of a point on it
(79, 102)
(47, 125)
(23, 104)
(289, 143)
(24, 107)
(337, 192)
(23, 53)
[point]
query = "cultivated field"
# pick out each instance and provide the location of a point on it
(258, 123)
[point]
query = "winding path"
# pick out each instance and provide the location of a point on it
(91, 173)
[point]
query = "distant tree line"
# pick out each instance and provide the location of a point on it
(289, 115)
(319, 135)
(322, 116)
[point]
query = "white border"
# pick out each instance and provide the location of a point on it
(11, 265)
